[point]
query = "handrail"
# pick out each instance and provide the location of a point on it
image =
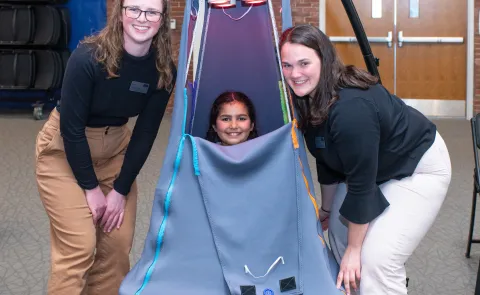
(402, 39)
(348, 39)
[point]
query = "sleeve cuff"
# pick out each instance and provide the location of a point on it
(327, 179)
(362, 209)
(123, 186)
(88, 186)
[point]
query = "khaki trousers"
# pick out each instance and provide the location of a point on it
(84, 259)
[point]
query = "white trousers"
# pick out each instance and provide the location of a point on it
(393, 236)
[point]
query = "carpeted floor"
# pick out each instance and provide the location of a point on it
(438, 267)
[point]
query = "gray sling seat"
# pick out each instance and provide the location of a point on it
(49, 69)
(52, 2)
(17, 24)
(17, 69)
(32, 69)
(65, 27)
(34, 25)
(233, 220)
(47, 25)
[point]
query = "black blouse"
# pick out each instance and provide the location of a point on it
(91, 99)
(370, 137)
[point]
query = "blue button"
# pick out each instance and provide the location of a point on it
(268, 292)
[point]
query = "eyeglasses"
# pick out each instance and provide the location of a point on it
(134, 12)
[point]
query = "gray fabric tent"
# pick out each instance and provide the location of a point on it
(233, 220)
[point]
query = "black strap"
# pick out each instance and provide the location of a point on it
(321, 208)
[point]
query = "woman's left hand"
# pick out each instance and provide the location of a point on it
(350, 269)
(113, 216)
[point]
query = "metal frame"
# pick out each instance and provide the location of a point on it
(475, 122)
(370, 60)
(470, 59)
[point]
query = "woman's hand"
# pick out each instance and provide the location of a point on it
(113, 216)
(96, 203)
(350, 269)
(324, 216)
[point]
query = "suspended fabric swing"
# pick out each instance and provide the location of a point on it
(237, 219)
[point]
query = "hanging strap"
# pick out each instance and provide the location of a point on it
(280, 258)
(286, 15)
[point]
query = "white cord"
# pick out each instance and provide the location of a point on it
(247, 271)
(201, 57)
(190, 54)
(196, 12)
(236, 19)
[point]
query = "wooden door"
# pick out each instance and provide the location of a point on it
(410, 70)
(338, 25)
(432, 70)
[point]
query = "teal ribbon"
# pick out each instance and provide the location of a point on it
(168, 197)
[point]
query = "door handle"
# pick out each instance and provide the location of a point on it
(347, 39)
(402, 39)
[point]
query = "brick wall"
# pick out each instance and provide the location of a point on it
(476, 99)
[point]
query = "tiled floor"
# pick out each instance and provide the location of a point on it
(438, 267)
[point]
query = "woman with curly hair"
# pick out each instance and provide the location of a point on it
(87, 159)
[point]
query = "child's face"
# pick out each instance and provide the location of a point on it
(233, 124)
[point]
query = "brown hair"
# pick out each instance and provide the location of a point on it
(109, 44)
(333, 77)
(229, 97)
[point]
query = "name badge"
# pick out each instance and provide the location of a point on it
(139, 87)
(320, 142)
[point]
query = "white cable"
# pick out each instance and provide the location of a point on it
(190, 54)
(236, 19)
(247, 271)
(196, 11)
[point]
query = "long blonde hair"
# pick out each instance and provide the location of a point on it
(109, 44)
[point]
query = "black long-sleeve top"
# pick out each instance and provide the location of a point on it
(370, 137)
(90, 99)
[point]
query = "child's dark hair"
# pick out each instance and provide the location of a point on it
(229, 97)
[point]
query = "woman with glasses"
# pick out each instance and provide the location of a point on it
(87, 159)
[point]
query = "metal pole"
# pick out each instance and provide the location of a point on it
(357, 26)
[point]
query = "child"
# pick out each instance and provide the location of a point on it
(232, 119)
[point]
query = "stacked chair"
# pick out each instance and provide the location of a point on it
(34, 39)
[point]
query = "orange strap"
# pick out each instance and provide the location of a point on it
(294, 134)
(308, 189)
(296, 146)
